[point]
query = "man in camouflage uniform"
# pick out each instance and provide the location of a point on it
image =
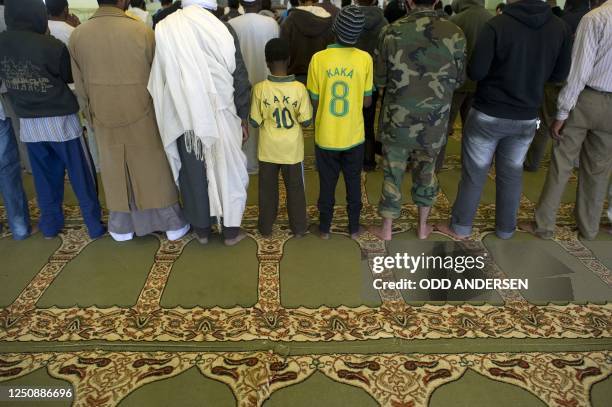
(420, 61)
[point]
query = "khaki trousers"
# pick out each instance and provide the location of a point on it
(587, 134)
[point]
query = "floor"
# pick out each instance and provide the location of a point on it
(282, 321)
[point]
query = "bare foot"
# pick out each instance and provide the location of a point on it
(202, 240)
(233, 242)
(356, 235)
(446, 229)
(380, 233)
(529, 227)
(532, 228)
(324, 235)
(423, 232)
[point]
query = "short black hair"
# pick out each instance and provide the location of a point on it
(277, 49)
(111, 2)
(56, 7)
(233, 4)
(266, 5)
(138, 4)
(425, 2)
(294, 3)
(166, 2)
(500, 6)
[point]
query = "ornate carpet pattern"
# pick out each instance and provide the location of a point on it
(105, 377)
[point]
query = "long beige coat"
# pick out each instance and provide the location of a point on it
(111, 61)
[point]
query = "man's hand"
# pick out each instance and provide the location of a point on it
(73, 20)
(245, 132)
(555, 130)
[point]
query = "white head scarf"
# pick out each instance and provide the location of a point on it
(207, 4)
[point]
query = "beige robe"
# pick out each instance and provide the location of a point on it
(111, 62)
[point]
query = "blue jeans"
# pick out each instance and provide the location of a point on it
(485, 137)
(11, 185)
(50, 161)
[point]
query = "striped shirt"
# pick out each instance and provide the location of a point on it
(591, 58)
(53, 129)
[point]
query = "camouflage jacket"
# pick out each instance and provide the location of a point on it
(420, 62)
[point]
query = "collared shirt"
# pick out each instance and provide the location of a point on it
(51, 129)
(280, 106)
(339, 78)
(591, 58)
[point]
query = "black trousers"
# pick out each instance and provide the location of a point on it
(369, 117)
(293, 178)
(193, 184)
(329, 164)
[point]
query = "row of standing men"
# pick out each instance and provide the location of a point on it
(141, 190)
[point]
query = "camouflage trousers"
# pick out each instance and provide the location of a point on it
(424, 182)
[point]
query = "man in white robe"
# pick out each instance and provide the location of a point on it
(254, 31)
(198, 102)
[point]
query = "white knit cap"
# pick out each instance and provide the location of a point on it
(207, 4)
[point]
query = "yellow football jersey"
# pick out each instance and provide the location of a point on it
(339, 77)
(280, 106)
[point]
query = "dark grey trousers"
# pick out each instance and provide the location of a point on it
(193, 184)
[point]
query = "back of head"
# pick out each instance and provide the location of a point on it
(235, 4)
(427, 3)
(210, 5)
(266, 4)
(55, 8)
(577, 5)
(138, 4)
(166, 2)
(294, 3)
(277, 49)
(26, 15)
(348, 25)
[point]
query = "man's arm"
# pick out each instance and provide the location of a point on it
(242, 86)
(583, 56)
(65, 70)
(482, 55)
(460, 61)
(564, 59)
(367, 101)
(380, 61)
(79, 83)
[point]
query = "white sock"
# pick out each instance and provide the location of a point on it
(177, 234)
(121, 237)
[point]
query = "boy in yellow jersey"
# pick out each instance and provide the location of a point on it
(340, 85)
(280, 107)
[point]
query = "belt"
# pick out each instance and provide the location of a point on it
(598, 91)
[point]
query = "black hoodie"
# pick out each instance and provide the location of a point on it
(307, 34)
(375, 21)
(34, 66)
(515, 54)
